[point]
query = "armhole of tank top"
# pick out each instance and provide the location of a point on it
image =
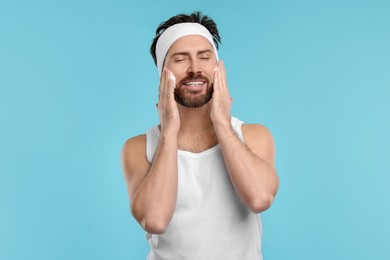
(149, 145)
(237, 125)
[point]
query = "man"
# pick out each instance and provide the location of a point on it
(197, 181)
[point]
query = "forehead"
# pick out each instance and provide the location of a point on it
(190, 43)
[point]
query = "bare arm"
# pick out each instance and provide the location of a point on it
(250, 165)
(152, 190)
(152, 187)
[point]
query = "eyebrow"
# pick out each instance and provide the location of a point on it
(186, 53)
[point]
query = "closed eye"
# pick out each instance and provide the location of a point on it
(205, 57)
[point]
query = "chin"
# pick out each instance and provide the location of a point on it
(193, 102)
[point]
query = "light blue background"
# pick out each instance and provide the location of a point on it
(77, 80)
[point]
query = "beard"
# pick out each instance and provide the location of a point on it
(193, 99)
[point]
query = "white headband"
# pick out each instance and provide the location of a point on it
(174, 32)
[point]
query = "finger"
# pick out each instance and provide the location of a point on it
(215, 87)
(163, 77)
(161, 87)
(223, 75)
(217, 79)
(220, 75)
(223, 80)
(169, 88)
(214, 73)
(171, 79)
(167, 85)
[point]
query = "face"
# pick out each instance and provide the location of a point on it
(192, 60)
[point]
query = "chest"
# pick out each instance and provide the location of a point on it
(197, 144)
(204, 183)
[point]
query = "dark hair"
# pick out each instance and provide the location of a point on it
(195, 17)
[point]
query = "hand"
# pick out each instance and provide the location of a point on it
(221, 101)
(167, 107)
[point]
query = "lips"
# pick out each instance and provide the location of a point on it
(194, 85)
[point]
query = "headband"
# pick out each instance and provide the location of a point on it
(176, 31)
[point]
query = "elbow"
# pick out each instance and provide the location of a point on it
(156, 227)
(152, 225)
(263, 201)
(260, 204)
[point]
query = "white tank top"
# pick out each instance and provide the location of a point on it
(210, 221)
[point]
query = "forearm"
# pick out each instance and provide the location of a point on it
(254, 179)
(155, 199)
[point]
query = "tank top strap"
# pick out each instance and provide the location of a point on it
(236, 125)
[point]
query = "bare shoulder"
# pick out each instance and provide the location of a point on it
(134, 144)
(134, 162)
(259, 139)
(255, 131)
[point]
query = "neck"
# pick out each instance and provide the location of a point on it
(195, 120)
(196, 132)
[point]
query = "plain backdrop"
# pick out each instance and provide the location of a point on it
(77, 80)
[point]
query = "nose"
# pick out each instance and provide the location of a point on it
(194, 67)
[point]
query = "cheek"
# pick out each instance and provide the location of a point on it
(211, 66)
(211, 72)
(175, 67)
(175, 70)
